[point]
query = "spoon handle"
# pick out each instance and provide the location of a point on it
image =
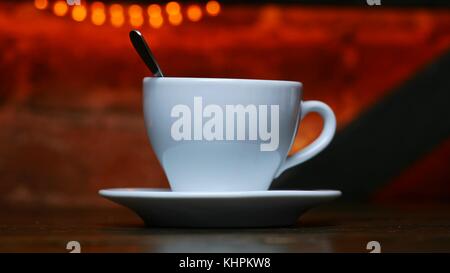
(145, 53)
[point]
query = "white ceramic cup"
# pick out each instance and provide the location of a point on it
(228, 134)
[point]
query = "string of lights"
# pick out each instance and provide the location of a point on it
(136, 15)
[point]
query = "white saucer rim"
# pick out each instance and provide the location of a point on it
(166, 193)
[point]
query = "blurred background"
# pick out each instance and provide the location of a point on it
(70, 91)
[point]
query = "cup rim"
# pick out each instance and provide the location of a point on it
(222, 80)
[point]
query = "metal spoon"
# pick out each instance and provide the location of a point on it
(145, 53)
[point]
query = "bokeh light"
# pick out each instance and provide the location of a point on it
(194, 13)
(116, 15)
(155, 17)
(156, 21)
(176, 19)
(136, 16)
(119, 14)
(79, 13)
(213, 8)
(60, 8)
(173, 8)
(41, 4)
(98, 15)
(154, 10)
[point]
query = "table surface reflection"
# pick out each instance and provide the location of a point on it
(331, 228)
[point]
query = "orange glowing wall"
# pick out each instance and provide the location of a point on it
(70, 83)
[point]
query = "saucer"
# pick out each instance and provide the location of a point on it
(164, 208)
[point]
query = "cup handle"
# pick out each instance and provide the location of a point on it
(329, 127)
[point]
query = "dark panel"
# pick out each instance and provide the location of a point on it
(385, 140)
(402, 3)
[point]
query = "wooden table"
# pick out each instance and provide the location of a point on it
(332, 228)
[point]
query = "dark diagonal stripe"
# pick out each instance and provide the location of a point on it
(384, 140)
